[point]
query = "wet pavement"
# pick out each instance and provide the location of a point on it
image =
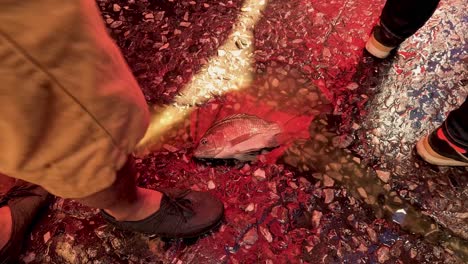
(346, 187)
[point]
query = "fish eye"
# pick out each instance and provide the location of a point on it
(203, 141)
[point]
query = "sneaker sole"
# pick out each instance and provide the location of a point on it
(428, 154)
(377, 49)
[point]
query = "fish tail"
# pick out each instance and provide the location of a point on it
(277, 139)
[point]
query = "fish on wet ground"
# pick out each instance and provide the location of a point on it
(240, 137)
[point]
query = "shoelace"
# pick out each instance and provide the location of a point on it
(17, 191)
(179, 204)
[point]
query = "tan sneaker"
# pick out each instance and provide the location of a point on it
(382, 42)
(377, 49)
(437, 149)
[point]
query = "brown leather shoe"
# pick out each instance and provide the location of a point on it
(183, 214)
(25, 201)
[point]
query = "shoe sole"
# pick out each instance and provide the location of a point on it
(377, 49)
(209, 230)
(205, 231)
(428, 154)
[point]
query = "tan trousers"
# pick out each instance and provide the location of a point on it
(70, 109)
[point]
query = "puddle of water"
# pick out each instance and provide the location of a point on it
(323, 153)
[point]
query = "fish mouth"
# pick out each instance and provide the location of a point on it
(201, 155)
(197, 154)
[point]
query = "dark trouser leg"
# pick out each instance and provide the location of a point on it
(402, 18)
(456, 125)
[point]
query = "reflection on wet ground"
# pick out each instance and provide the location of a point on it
(322, 155)
(346, 188)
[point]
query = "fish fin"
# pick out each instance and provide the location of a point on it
(233, 117)
(241, 138)
(249, 156)
(228, 119)
(236, 116)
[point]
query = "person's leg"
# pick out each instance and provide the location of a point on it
(123, 199)
(170, 213)
(399, 20)
(448, 144)
(79, 115)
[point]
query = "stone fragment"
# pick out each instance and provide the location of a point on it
(116, 243)
(352, 86)
(275, 82)
(372, 234)
(293, 185)
(159, 15)
(250, 207)
(335, 166)
(362, 248)
(316, 217)
(149, 16)
(30, 257)
(46, 237)
(461, 215)
(321, 138)
(395, 251)
(383, 254)
(266, 234)
(245, 169)
(211, 185)
(170, 148)
(116, 8)
(313, 97)
(280, 213)
(328, 181)
(329, 195)
(163, 47)
(250, 237)
(362, 192)
(259, 174)
(357, 160)
(383, 175)
(116, 24)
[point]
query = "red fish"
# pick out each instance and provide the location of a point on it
(239, 136)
